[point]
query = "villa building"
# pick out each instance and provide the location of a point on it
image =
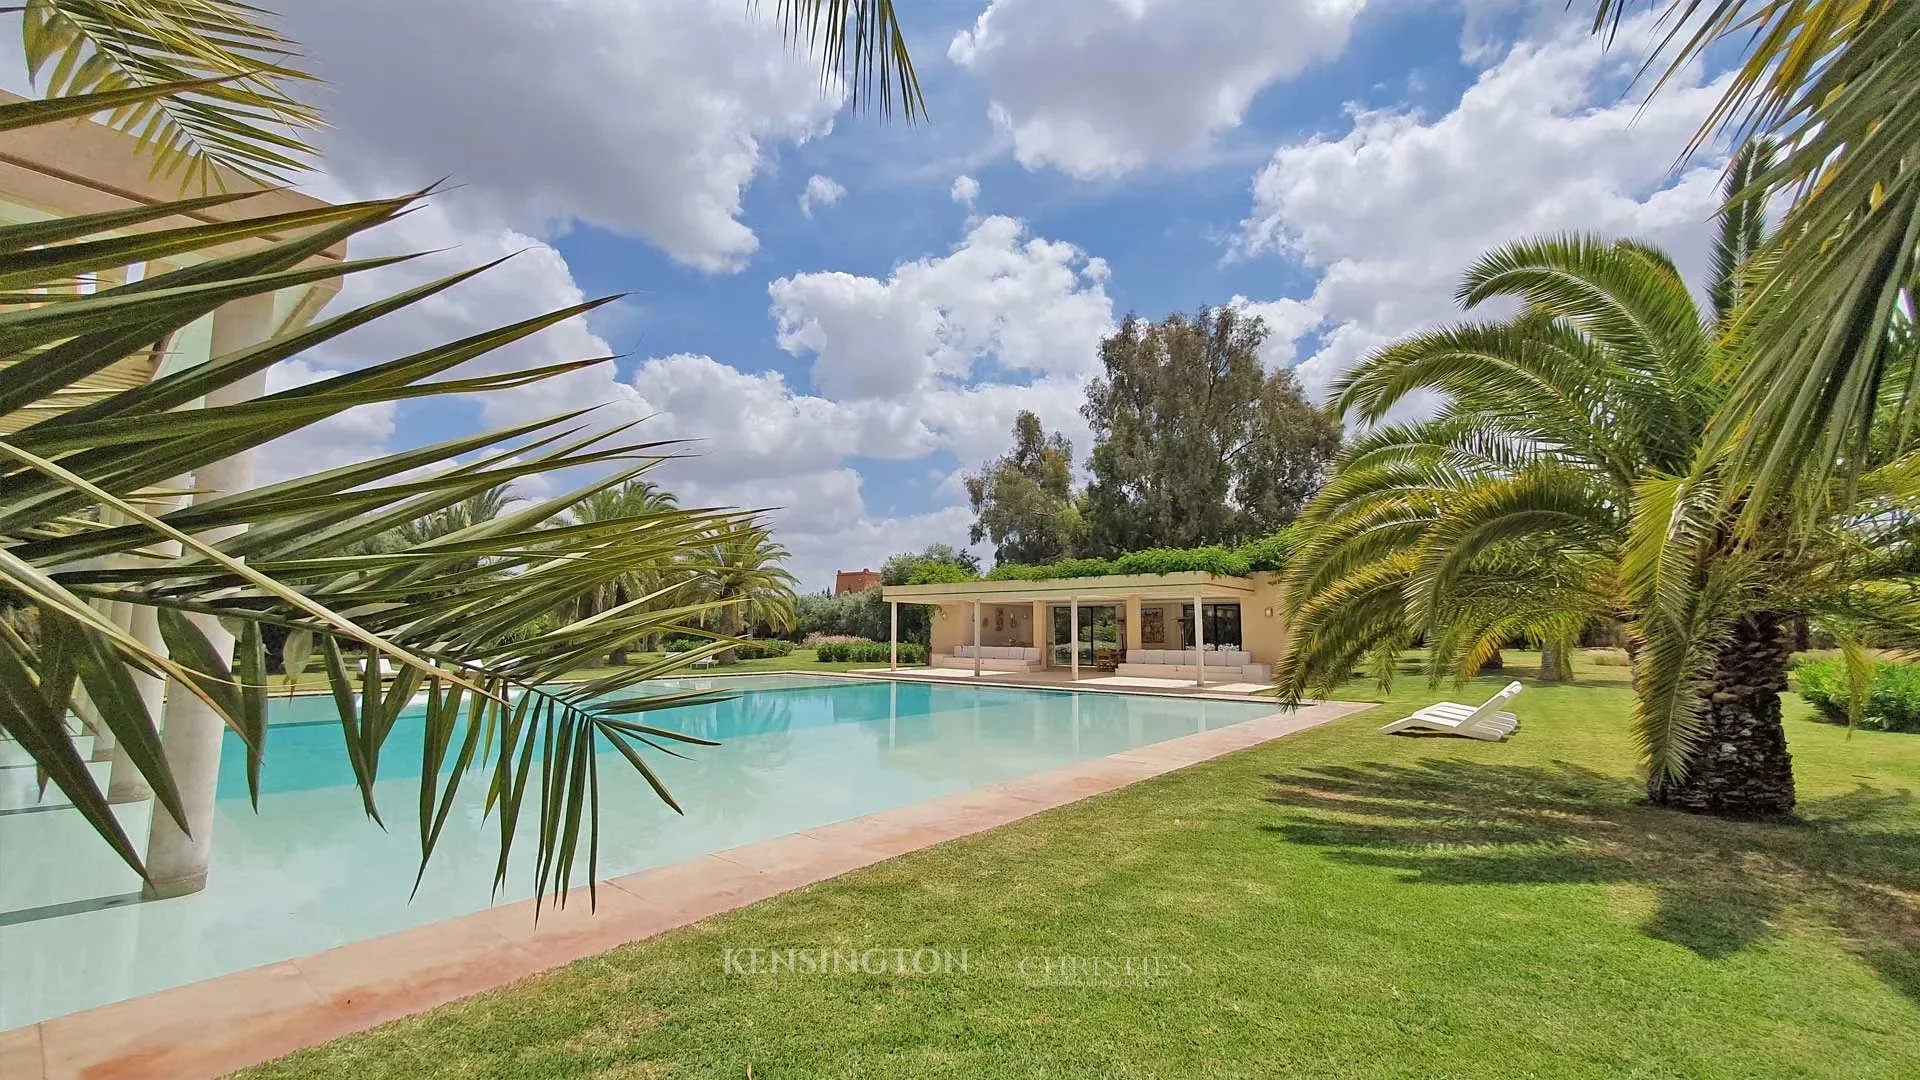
(57, 170)
(854, 581)
(1132, 625)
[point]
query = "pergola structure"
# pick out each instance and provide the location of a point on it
(62, 170)
(1147, 608)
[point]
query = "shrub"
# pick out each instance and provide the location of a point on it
(814, 641)
(764, 649)
(683, 644)
(869, 652)
(940, 573)
(861, 614)
(1893, 700)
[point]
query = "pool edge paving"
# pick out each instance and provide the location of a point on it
(215, 1026)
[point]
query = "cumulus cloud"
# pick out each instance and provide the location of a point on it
(1391, 212)
(1000, 300)
(820, 191)
(965, 190)
(1100, 87)
(646, 119)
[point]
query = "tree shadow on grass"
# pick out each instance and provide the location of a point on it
(1852, 860)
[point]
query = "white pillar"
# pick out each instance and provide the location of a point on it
(177, 861)
(893, 636)
(1073, 632)
(1199, 644)
(976, 639)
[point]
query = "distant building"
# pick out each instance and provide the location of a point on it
(853, 581)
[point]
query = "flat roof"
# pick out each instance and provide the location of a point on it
(1178, 586)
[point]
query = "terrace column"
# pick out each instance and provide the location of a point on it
(177, 861)
(976, 639)
(1039, 616)
(1133, 624)
(1199, 645)
(893, 636)
(1073, 634)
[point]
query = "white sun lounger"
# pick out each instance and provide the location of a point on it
(1486, 722)
(705, 661)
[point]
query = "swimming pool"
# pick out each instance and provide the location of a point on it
(309, 871)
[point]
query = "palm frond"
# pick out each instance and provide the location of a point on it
(240, 120)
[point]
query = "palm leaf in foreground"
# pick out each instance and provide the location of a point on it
(91, 529)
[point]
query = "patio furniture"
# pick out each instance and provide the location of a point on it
(1450, 718)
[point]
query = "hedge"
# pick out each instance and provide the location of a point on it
(1266, 554)
(1893, 701)
(758, 649)
(869, 652)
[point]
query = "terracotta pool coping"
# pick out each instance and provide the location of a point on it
(229, 1022)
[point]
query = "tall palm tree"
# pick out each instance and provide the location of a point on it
(1568, 478)
(740, 569)
(1831, 82)
(636, 500)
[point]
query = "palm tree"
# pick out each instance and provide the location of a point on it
(90, 522)
(638, 499)
(1831, 82)
(1568, 479)
(739, 569)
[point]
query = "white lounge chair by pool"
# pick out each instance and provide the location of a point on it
(705, 661)
(1486, 722)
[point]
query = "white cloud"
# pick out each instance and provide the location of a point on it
(1100, 87)
(965, 190)
(646, 119)
(999, 298)
(820, 191)
(332, 443)
(1286, 321)
(1392, 212)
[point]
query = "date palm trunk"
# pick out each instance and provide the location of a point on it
(1742, 767)
(1556, 665)
(730, 626)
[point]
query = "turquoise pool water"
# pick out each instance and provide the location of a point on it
(309, 871)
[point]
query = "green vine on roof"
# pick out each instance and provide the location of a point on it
(1266, 554)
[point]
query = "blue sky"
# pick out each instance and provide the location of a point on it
(1330, 164)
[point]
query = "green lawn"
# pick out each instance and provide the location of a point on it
(1334, 904)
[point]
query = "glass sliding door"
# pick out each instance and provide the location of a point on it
(1103, 635)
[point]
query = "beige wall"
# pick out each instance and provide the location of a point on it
(953, 625)
(1262, 635)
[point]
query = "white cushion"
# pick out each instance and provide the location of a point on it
(1030, 654)
(996, 652)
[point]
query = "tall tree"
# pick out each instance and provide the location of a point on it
(638, 500)
(740, 569)
(1567, 477)
(1194, 443)
(900, 569)
(1023, 500)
